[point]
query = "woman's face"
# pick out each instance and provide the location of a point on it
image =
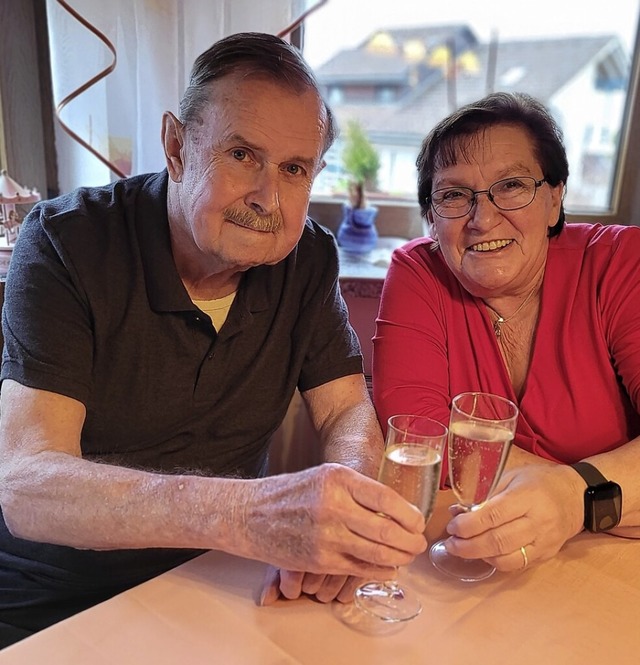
(495, 252)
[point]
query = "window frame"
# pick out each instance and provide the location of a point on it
(625, 195)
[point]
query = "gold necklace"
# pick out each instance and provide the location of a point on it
(497, 324)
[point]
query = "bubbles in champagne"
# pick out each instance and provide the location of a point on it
(477, 455)
(414, 472)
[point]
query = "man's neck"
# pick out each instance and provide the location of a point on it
(212, 287)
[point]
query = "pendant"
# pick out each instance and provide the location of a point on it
(496, 326)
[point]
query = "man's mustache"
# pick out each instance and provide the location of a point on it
(251, 220)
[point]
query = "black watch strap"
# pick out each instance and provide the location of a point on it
(591, 475)
(602, 499)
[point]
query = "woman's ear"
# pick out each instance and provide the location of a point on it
(429, 226)
(172, 143)
(558, 193)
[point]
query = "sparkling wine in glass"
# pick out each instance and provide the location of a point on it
(411, 465)
(481, 429)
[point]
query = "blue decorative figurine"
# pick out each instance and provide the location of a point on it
(357, 232)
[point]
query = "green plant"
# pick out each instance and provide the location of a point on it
(361, 161)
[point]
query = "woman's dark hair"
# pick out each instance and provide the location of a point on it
(254, 54)
(444, 146)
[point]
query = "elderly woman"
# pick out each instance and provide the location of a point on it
(504, 298)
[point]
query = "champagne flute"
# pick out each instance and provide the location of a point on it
(414, 447)
(481, 429)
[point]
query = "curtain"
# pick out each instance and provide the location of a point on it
(155, 44)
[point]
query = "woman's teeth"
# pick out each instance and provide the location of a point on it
(489, 246)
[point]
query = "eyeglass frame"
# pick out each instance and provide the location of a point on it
(537, 185)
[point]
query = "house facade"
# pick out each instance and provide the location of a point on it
(400, 82)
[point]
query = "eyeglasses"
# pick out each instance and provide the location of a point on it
(507, 194)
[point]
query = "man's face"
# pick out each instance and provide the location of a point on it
(243, 176)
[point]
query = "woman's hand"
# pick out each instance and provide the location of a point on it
(537, 507)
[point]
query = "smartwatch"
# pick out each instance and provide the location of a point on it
(602, 499)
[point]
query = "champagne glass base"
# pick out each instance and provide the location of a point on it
(388, 601)
(465, 570)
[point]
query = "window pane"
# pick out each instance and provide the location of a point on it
(399, 67)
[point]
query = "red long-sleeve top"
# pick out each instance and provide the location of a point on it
(581, 396)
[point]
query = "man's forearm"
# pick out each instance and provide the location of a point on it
(354, 439)
(346, 421)
(89, 505)
(319, 520)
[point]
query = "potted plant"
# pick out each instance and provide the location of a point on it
(357, 232)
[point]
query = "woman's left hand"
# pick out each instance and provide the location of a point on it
(537, 508)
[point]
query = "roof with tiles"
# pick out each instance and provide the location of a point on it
(434, 91)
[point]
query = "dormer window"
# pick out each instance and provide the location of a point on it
(512, 77)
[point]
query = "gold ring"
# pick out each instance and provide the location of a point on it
(523, 549)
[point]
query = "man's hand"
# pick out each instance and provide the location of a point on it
(293, 584)
(330, 520)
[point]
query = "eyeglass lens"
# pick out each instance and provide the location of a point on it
(507, 194)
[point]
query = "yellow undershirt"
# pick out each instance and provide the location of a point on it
(217, 309)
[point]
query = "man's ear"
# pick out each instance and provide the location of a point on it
(172, 143)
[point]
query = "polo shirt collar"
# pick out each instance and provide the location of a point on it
(165, 290)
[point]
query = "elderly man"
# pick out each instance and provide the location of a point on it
(156, 329)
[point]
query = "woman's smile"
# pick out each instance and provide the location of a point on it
(489, 246)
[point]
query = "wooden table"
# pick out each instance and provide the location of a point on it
(580, 608)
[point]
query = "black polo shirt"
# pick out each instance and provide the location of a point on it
(95, 310)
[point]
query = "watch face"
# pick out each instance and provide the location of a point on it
(603, 506)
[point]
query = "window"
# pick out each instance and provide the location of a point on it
(436, 59)
(385, 93)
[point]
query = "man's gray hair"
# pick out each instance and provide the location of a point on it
(255, 54)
